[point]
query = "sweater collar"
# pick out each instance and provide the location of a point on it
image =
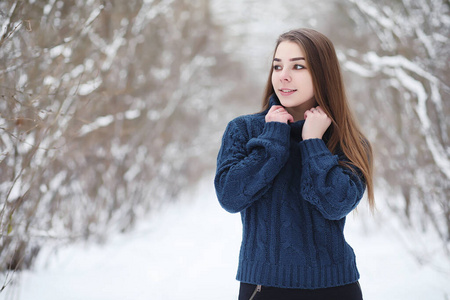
(297, 126)
(273, 100)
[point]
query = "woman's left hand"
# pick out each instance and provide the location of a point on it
(316, 123)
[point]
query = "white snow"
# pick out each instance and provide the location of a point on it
(57, 180)
(22, 80)
(94, 14)
(50, 80)
(111, 49)
(60, 49)
(400, 65)
(77, 71)
(189, 250)
(132, 114)
(88, 87)
(48, 7)
(100, 122)
(358, 69)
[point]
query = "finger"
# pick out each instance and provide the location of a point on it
(284, 112)
(286, 117)
(271, 110)
(275, 109)
(319, 109)
(307, 113)
(280, 110)
(290, 118)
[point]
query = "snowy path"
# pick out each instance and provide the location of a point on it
(189, 251)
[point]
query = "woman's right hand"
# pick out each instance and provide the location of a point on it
(278, 113)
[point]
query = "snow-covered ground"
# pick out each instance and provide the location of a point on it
(189, 250)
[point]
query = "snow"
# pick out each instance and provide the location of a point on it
(100, 122)
(88, 87)
(400, 65)
(48, 7)
(132, 114)
(22, 80)
(111, 49)
(77, 71)
(189, 250)
(50, 80)
(398, 61)
(94, 14)
(358, 69)
(60, 49)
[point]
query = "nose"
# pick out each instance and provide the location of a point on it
(285, 75)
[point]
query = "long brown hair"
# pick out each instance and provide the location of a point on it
(330, 94)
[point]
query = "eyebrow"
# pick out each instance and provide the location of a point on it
(292, 59)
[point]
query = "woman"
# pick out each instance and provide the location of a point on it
(294, 171)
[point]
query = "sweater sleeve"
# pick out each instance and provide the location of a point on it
(247, 166)
(333, 189)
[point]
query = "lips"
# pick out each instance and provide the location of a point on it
(287, 92)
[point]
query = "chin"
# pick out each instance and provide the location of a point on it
(287, 104)
(291, 103)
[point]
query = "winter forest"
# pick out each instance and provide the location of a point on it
(110, 110)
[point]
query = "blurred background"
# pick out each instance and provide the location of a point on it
(110, 110)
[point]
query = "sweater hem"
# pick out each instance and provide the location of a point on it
(297, 276)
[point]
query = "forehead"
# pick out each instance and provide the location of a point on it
(286, 50)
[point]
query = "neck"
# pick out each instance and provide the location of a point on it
(298, 112)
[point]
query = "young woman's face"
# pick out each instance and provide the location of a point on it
(291, 78)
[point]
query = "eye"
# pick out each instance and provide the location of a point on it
(277, 68)
(298, 67)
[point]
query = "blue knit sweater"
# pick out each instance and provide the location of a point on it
(293, 197)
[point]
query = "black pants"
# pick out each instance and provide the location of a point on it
(345, 292)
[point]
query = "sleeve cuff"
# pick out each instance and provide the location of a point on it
(313, 147)
(276, 131)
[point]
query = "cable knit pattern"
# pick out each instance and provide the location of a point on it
(293, 197)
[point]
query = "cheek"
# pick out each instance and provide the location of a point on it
(274, 81)
(308, 84)
(311, 87)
